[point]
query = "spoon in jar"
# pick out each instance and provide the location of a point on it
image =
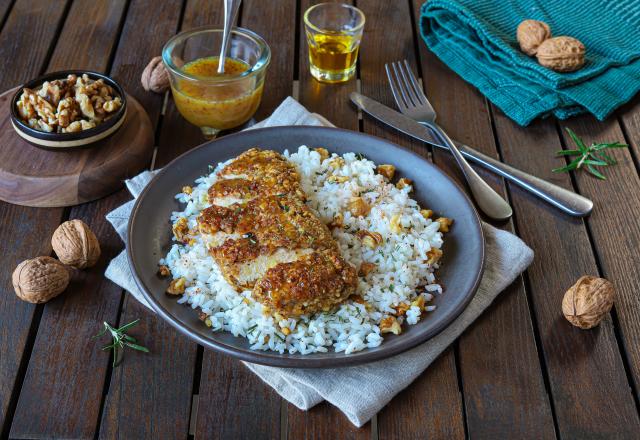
(230, 13)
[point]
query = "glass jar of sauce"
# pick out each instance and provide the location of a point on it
(213, 101)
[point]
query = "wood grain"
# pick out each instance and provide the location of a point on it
(499, 383)
(24, 228)
(504, 391)
(331, 101)
(229, 394)
(5, 5)
(162, 401)
(150, 394)
(59, 317)
(67, 368)
(278, 30)
(578, 362)
(234, 403)
(617, 208)
(323, 421)
(629, 117)
(32, 176)
(413, 415)
(377, 48)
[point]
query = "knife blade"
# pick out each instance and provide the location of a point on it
(395, 119)
(568, 201)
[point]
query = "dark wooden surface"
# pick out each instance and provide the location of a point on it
(520, 371)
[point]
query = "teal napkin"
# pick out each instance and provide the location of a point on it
(477, 39)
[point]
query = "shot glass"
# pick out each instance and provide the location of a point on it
(211, 101)
(334, 32)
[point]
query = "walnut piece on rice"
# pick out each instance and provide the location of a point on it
(390, 324)
(445, 223)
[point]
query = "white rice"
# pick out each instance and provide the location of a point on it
(401, 273)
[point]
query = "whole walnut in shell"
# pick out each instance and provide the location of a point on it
(562, 54)
(531, 33)
(155, 77)
(75, 244)
(40, 279)
(588, 301)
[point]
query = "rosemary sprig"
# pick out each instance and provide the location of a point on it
(121, 340)
(588, 157)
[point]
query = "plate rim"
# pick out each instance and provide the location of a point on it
(275, 359)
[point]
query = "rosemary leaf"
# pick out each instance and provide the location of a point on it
(595, 172)
(588, 157)
(120, 341)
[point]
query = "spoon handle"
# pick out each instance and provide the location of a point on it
(489, 201)
(231, 8)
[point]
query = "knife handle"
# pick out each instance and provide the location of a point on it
(568, 201)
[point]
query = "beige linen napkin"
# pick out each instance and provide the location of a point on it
(361, 391)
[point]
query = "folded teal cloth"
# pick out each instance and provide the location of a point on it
(477, 39)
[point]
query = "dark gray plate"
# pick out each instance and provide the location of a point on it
(150, 238)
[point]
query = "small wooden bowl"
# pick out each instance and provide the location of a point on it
(64, 141)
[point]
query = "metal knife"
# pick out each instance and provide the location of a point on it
(568, 201)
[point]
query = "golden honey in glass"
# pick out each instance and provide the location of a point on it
(210, 100)
(334, 31)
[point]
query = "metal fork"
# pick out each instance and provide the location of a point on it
(568, 201)
(413, 103)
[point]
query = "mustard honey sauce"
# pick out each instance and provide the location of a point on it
(217, 104)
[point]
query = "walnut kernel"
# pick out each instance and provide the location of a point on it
(358, 207)
(386, 170)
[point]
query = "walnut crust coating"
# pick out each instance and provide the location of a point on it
(316, 282)
(272, 242)
(257, 173)
(265, 224)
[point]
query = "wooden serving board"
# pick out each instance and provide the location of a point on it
(32, 176)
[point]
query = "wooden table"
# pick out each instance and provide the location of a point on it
(521, 371)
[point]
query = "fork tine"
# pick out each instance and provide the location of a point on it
(396, 89)
(422, 98)
(404, 87)
(410, 90)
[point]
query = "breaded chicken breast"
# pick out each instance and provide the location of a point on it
(264, 237)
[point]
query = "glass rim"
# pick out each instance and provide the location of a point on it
(261, 63)
(357, 28)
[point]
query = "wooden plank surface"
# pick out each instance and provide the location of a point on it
(177, 136)
(614, 225)
(159, 404)
(225, 382)
(279, 30)
(5, 6)
(91, 378)
(64, 363)
(150, 395)
(378, 48)
(416, 413)
(579, 363)
(234, 403)
(331, 101)
(504, 390)
(26, 229)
